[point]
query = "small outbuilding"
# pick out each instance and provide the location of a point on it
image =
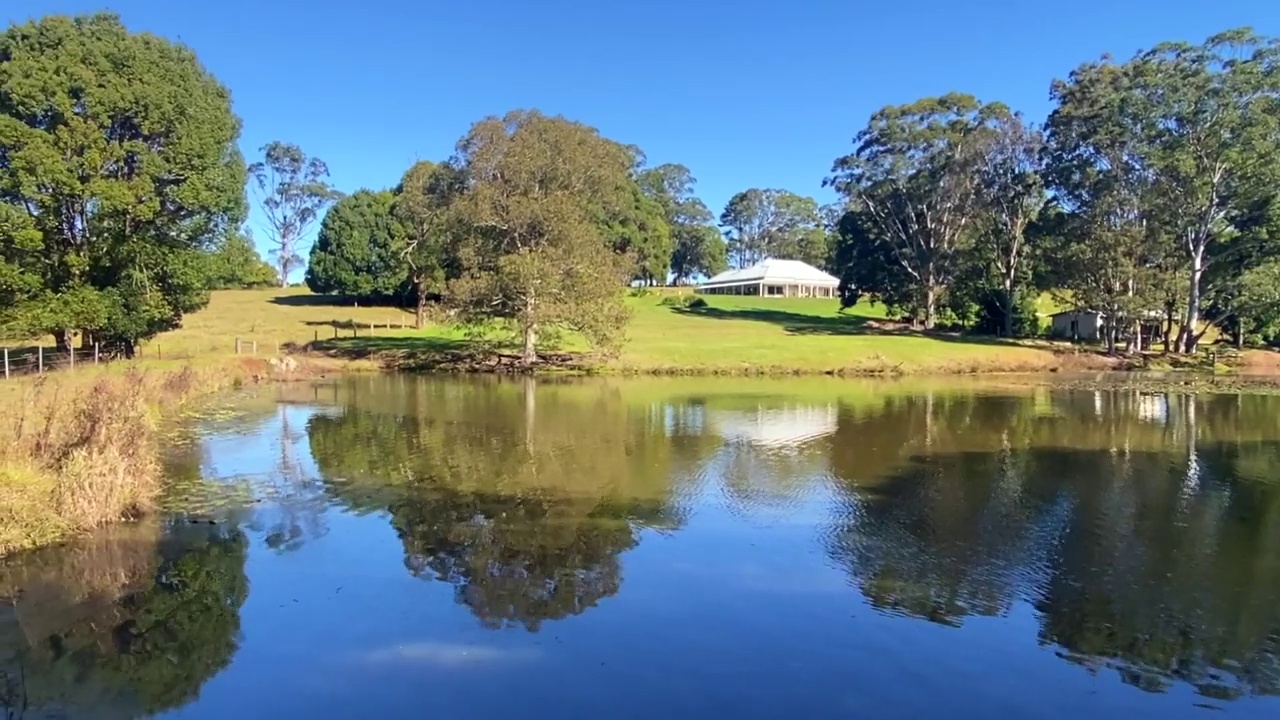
(774, 278)
(1077, 325)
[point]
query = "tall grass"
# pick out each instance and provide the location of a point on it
(76, 456)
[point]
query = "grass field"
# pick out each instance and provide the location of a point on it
(740, 335)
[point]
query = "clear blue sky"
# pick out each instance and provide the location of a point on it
(746, 94)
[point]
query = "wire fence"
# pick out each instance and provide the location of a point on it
(39, 359)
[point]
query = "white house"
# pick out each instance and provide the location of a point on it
(773, 278)
(1077, 324)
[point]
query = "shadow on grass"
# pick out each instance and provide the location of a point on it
(332, 301)
(801, 324)
(436, 354)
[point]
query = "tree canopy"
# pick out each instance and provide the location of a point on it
(360, 248)
(119, 171)
(530, 247)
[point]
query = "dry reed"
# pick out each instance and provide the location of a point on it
(74, 457)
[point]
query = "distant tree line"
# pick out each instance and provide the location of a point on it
(1149, 195)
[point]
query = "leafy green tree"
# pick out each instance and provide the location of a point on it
(1210, 121)
(697, 247)
(359, 249)
(293, 190)
(235, 263)
(773, 223)
(1107, 255)
(639, 229)
(1012, 195)
(912, 185)
(120, 151)
(529, 245)
(422, 203)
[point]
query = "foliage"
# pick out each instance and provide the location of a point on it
(119, 168)
(774, 223)
(1161, 162)
(529, 245)
(639, 229)
(913, 191)
(683, 301)
(360, 248)
(422, 202)
(697, 247)
(293, 190)
(235, 263)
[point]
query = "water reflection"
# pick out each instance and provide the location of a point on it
(130, 622)
(1137, 542)
(697, 538)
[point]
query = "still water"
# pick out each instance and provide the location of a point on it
(403, 547)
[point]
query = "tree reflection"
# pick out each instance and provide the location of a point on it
(1138, 532)
(130, 622)
(521, 495)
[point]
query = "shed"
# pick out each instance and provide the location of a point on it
(1077, 324)
(773, 278)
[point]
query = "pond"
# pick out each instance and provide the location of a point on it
(677, 548)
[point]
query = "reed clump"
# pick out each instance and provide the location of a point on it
(77, 455)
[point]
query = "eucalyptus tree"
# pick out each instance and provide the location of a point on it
(1209, 117)
(293, 192)
(914, 190)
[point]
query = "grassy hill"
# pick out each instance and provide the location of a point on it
(730, 335)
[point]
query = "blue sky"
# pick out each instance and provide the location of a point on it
(746, 94)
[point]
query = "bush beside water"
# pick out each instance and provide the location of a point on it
(74, 457)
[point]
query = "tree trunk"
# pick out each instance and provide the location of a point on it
(63, 339)
(1111, 338)
(1239, 335)
(1008, 307)
(1193, 301)
(420, 312)
(529, 354)
(930, 306)
(1168, 328)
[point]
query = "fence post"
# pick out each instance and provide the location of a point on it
(157, 351)
(317, 337)
(237, 346)
(335, 332)
(95, 352)
(6, 363)
(72, 358)
(255, 347)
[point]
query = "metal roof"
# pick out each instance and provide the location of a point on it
(781, 272)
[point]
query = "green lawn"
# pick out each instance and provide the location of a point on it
(745, 334)
(740, 335)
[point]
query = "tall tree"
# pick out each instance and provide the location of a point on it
(696, 246)
(913, 177)
(293, 191)
(1209, 117)
(1012, 195)
(530, 247)
(359, 248)
(119, 169)
(422, 203)
(772, 223)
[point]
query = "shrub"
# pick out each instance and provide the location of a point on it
(683, 301)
